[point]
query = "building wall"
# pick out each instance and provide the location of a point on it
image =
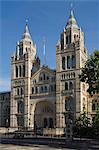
(5, 109)
(70, 58)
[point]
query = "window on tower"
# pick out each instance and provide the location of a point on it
(73, 61)
(63, 63)
(21, 51)
(46, 90)
(41, 89)
(66, 85)
(16, 71)
(69, 39)
(44, 76)
(19, 71)
(23, 70)
(66, 39)
(62, 41)
(69, 104)
(70, 85)
(21, 91)
(36, 89)
(20, 107)
(18, 92)
(68, 62)
(32, 90)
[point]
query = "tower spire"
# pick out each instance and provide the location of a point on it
(71, 21)
(26, 34)
(26, 21)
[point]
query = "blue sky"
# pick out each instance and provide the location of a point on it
(45, 19)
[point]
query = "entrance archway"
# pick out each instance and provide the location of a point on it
(44, 115)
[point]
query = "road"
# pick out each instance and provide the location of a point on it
(42, 143)
(32, 147)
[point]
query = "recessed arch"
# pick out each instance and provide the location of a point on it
(41, 111)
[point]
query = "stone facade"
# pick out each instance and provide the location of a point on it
(44, 98)
(32, 88)
(70, 58)
(5, 109)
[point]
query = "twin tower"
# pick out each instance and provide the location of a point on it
(46, 98)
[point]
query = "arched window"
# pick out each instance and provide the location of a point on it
(51, 123)
(45, 88)
(21, 51)
(70, 38)
(66, 85)
(74, 37)
(62, 76)
(70, 85)
(47, 77)
(45, 122)
(16, 71)
(21, 91)
(40, 78)
(18, 92)
(73, 61)
(32, 90)
(68, 62)
(44, 76)
(36, 89)
(23, 70)
(66, 39)
(20, 107)
(62, 41)
(41, 89)
(63, 63)
(19, 71)
(69, 104)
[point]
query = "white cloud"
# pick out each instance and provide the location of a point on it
(5, 84)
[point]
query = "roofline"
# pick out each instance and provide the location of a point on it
(3, 92)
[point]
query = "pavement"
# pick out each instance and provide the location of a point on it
(42, 143)
(32, 147)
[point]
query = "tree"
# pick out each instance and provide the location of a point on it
(83, 120)
(81, 125)
(90, 73)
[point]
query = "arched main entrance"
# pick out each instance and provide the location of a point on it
(44, 115)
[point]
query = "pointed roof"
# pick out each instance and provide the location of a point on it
(71, 21)
(26, 35)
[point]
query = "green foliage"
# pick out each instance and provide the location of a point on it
(83, 120)
(90, 73)
(81, 126)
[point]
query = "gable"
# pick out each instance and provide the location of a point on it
(43, 73)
